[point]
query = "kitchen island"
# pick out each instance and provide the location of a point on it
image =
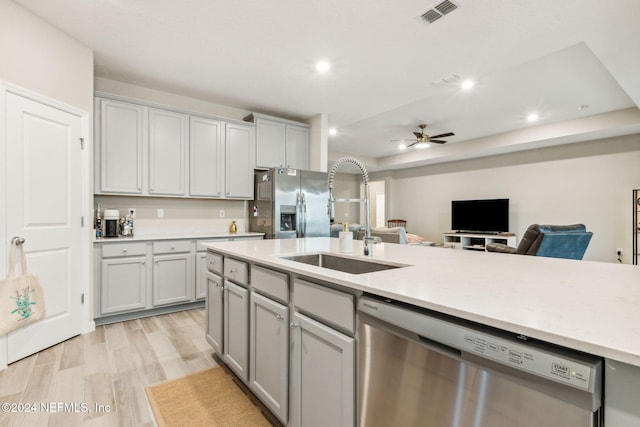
(592, 307)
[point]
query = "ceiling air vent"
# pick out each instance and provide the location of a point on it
(439, 11)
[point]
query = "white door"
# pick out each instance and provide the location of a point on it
(44, 206)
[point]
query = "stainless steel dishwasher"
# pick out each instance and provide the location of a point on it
(420, 368)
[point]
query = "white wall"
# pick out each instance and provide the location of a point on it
(589, 182)
(37, 56)
(168, 99)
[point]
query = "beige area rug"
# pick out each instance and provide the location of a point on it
(206, 398)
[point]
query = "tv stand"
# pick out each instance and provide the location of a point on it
(477, 241)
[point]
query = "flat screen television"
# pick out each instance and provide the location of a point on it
(482, 216)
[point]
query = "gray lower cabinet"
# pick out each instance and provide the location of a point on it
(201, 276)
(236, 328)
(215, 311)
(268, 353)
(321, 376)
(123, 284)
(172, 279)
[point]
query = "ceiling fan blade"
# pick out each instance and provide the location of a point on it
(443, 135)
(437, 141)
(411, 145)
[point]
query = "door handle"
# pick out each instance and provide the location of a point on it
(17, 240)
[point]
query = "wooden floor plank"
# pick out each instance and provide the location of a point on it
(109, 367)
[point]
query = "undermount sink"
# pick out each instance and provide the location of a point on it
(344, 264)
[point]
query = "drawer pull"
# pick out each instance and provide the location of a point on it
(232, 270)
(124, 251)
(212, 262)
(293, 325)
(173, 248)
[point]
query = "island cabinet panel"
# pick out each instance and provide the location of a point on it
(268, 354)
(322, 375)
(236, 329)
(215, 312)
(329, 305)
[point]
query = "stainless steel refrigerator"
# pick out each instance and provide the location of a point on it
(290, 203)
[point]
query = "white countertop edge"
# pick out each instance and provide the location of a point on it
(176, 236)
(600, 346)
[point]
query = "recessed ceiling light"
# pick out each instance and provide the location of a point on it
(323, 66)
(533, 117)
(333, 131)
(467, 84)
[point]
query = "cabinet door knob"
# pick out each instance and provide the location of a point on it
(232, 270)
(144, 262)
(173, 248)
(293, 325)
(279, 317)
(124, 250)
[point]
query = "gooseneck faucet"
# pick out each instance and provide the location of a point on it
(368, 239)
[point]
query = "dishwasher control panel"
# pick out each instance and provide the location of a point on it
(528, 358)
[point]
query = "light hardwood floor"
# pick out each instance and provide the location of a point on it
(110, 366)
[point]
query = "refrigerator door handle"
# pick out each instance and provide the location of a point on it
(304, 215)
(299, 215)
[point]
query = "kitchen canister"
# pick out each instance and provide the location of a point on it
(346, 239)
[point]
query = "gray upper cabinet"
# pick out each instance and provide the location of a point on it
(206, 157)
(240, 161)
(297, 143)
(148, 151)
(280, 142)
(167, 153)
(270, 147)
(121, 131)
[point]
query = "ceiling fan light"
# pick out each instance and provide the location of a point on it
(422, 144)
(467, 84)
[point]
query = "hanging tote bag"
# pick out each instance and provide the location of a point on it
(21, 297)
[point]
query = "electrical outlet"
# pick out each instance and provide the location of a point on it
(221, 213)
(160, 213)
(132, 212)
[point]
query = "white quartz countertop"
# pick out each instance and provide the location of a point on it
(589, 306)
(177, 235)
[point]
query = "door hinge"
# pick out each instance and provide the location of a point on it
(82, 221)
(82, 143)
(82, 298)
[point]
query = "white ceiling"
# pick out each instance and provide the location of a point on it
(548, 56)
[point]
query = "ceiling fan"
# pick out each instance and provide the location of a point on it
(423, 138)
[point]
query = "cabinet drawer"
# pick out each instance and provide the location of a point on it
(237, 271)
(214, 262)
(171, 246)
(123, 249)
(271, 283)
(335, 307)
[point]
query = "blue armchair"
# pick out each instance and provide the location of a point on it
(554, 241)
